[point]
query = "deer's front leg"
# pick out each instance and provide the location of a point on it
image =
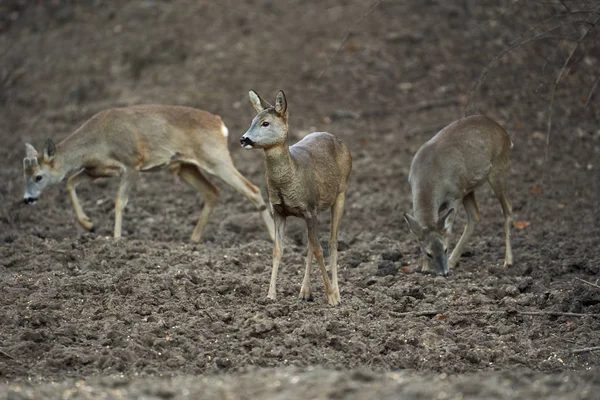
(279, 222)
(72, 183)
(305, 294)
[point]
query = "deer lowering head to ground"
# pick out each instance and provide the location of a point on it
(303, 179)
(445, 172)
(122, 142)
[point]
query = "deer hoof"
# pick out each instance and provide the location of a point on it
(507, 265)
(333, 299)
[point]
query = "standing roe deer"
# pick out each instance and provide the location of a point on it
(125, 141)
(446, 171)
(302, 180)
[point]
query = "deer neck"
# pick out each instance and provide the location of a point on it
(279, 165)
(69, 158)
(426, 209)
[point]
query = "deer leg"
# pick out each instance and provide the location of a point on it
(305, 294)
(128, 176)
(498, 183)
(336, 215)
(311, 224)
(192, 176)
(233, 178)
(72, 183)
(473, 218)
(279, 226)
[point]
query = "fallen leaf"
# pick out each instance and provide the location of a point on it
(405, 270)
(560, 206)
(168, 337)
(538, 135)
(536, 190)
(441, 317)
(521, 224)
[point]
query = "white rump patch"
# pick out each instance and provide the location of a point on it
(224, 130)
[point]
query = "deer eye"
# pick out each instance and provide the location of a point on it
(445, 251)
(429, 255)
(38, 178)
(265, 123)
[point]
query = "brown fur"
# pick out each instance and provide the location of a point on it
(445, 172)
(125, 141)
(302, 180)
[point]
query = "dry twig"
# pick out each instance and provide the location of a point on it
(347, 35)
(494, 312)
(589, 283)
(6, 354)
(585, 350)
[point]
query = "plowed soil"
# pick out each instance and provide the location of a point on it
(154, 315)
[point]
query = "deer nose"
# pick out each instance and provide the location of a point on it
(246, 142)
(29, 200)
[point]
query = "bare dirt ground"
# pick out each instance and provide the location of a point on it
(153, 315)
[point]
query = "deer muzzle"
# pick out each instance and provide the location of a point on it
(246, 142)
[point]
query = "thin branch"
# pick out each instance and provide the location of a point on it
(592, 90)
(588, 283)
(494, 312)
(561, 74)
(585, 350)
(515, 44)
(6, 354)
(347, 35)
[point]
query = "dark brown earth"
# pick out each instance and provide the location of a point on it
(84, 316)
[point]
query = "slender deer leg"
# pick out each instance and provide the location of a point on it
(311, 224)
(279, 221)
(498, 182)
(473, 218)
(192, 176)
(233, 178)
(305, 293)
(128, 176)
(336, 215)
(72, 183)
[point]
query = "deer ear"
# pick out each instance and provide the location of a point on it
(445, 223)
(414, 225)
(49, 150)
(258, 102)
(281, 104)
(30, 151)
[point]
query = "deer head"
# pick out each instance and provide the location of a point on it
(270, 127)
(39, 170)
(433, 241)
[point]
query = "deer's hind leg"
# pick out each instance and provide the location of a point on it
(473, 217)
(497, 180)
(128, 177)
(231, 176)
(72, 183)
(336, 216)
(311, 224)
(192, 176)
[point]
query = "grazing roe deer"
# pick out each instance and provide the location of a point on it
(303, 179)
(125, 141)
(445, 172)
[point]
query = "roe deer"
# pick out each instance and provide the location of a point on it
(302, 180)
(446, 171)
(125, 141)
